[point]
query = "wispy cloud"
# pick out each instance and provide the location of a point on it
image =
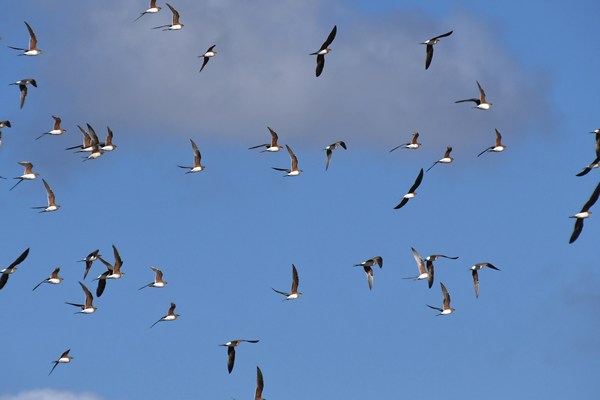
(374, 85)
(50, 394)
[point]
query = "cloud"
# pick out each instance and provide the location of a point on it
(50, 394)
(374, 85)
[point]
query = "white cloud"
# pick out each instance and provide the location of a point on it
(50, 394)
(374, 85)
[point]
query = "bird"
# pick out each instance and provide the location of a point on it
(294, 171)
(28, 175)
(88, 307)
(584, 213)
(231, 351)
(22, 83)
(259, 385)
(330, 148)
(56, 130)
(594, 164)
(108, 145)
(474, 270)
(207, 55)
(324, 50)
(175, 26)
(294, 292)
(54, 279)
(158, 279)
(113, 271)
(273, 147)
(197, 157)
(446, 308)
(429, 48)
(413, 144)
(424, 272)
(171, 316)
(52, 206)
(89, 259)
(87, 142)
(4, 273)
(435, 257)
(482, 104)
(411, 192)
(152, 10)
(32, 50)
(367, 266)
(497, 148)
(94, 146)
(444, 160)
(63, 359)
(5, 123)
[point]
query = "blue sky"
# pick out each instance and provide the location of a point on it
(224, 237)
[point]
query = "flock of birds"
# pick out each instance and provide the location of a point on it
(95, 148)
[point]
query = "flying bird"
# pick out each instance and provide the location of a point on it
(52, 206)
(4, 273)
(158, 279)
(584, 213)
(56, 130)
(113, 271)
(294, 171)
(446, 308)
(63, 359)
(273, 147)
(411, 192)
(231, 351)
(152, 10)
(86, 146)
(175, 26)
(32, 50)
(429, 48)
(108, 145)
(324, 50)
(54, 279)
(89, 259)
(22, 83)
(329, 149)
(424, 272)
(171, 316)
(259, 385)
(497, 148)
(28, 175)
(444, 160)
(5, 123)
(435, 257)
(294, 292)
(367, 266)
(207, 56)
(197, 157)
(88, 307)
(474, 270)
(482, 104)
(413, 144)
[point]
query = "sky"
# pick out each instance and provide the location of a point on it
(226, 236)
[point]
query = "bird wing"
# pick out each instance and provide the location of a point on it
(475, 282)
(481, 93)
(274, 137)
(419, 260)
(259, 384)
(23, 90)
(320, 64)
(330, 38)
(295, 279)
(230, 358)
(429, 55)
(32, 37)
(592, 200)
(19, 259)
(417, 182)
(576, 230)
